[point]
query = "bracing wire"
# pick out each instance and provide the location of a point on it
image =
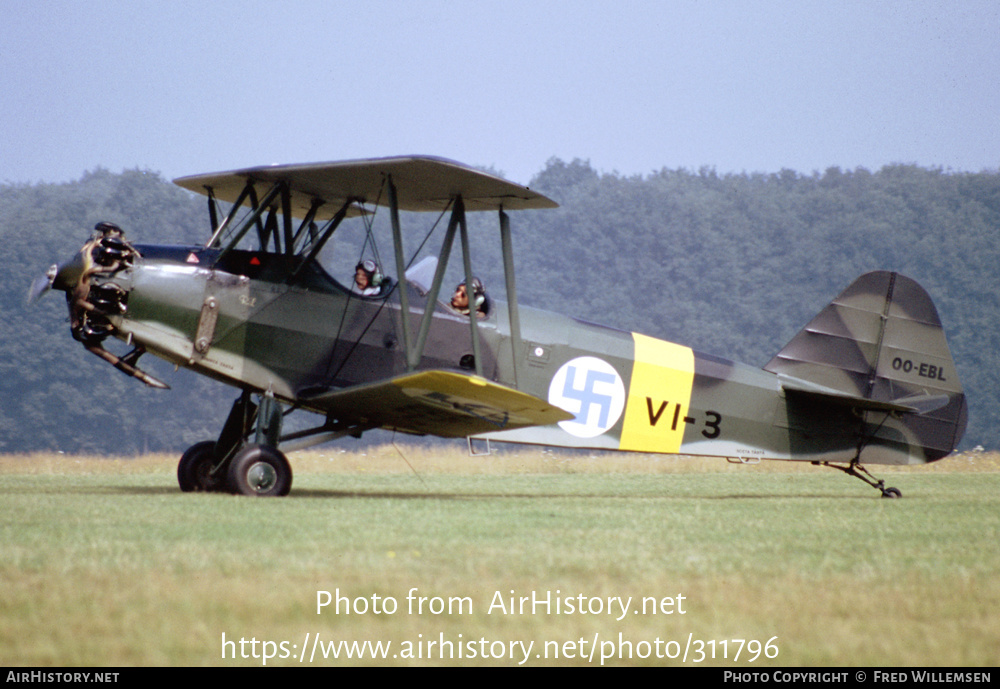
(396, 447)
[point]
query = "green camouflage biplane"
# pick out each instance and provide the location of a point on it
(869, 380)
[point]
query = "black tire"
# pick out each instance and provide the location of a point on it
(194, 467)
(892, 493)
(261, 471)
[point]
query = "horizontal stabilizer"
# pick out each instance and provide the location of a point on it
(441, 403)
(914, 404)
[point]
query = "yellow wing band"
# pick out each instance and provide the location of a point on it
(659, 396)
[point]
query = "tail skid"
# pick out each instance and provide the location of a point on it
(857, 471)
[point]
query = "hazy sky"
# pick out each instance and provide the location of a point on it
(184, 87)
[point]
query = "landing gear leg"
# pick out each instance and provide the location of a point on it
(858, 471)
(261, 469)
(204, 466)
(238, 425)
(258, 468)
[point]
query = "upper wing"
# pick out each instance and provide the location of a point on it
(423, 183)
(442, 403)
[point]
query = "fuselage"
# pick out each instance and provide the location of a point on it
(245, 322)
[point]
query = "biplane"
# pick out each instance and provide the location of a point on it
(869, 380)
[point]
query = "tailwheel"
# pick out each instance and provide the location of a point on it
(195, 470)
(260, 470)
(858, 471)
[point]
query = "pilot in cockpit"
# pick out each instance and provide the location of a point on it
(367, 278)
(460, 299)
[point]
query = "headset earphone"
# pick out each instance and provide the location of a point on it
(372, 271)
(478, 291)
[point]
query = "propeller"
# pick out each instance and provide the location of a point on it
(42, 284)
(62, 276)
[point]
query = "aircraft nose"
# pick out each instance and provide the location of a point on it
(66, 275)
(61, 276)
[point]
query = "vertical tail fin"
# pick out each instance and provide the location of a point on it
(881, 341)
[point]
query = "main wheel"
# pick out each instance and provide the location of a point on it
(892, 493)
(261, 471)
(195, 467)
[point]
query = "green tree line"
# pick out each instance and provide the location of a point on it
(729, 264)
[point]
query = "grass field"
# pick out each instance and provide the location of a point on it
(104, 562)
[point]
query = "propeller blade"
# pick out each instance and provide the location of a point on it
(42, 284)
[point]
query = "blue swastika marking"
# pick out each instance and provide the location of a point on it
(592, 391)
(586, 395)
